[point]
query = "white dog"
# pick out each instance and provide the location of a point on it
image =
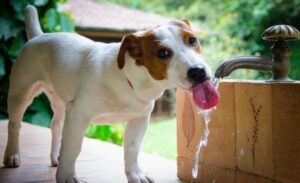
(91, 81)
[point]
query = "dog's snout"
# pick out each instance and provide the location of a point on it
(197, 75)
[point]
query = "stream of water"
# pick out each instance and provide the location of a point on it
(206, 115)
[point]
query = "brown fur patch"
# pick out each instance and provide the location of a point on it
(156, 67)
(143, 48)
(181, 24)
(187, 32)
(131, 44)
(187, 21)
(186, 35)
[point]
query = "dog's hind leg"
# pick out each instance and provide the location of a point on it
(58, 107)
(19, 97)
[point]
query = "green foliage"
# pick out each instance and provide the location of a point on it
(39, 112)
(160, 138)
(55, 21)
(12, 39)
(110, 133)
(248, 19)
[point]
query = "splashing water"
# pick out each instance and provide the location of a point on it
(206, 114)
(216, 82)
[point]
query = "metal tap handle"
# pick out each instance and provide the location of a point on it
(280, 50)
(281, 33)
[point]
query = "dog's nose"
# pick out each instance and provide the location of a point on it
(196, 75)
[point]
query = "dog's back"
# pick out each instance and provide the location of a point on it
(53, 59)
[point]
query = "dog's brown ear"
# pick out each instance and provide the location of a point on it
(130, 43)
(187, 22)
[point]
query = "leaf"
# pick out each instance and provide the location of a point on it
(103, 132)
(188, 120)
(2, 66)
(50, 20)
(41, 104)
(18, 5)
(66, 24)
(111, 133)
(40, 2)
(93, 130)
(41, 118)
(16, 46)
(88, 131)
(9, 29)
(61, 1)
(3, 116)
(4, 28)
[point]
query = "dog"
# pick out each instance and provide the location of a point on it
(93, 81)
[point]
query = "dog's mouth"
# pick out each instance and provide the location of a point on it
(205, 95)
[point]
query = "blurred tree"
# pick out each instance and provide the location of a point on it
(12, 39)
(249, 18)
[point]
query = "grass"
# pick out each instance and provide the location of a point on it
(160, 139)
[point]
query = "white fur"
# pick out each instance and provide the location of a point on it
(83, 83)
(183, 56)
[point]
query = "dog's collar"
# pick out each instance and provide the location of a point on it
(128, 81)
(130, 84)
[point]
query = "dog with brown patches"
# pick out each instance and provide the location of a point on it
(92, 81)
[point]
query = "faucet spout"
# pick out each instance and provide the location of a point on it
(245, 62)
(279, 64)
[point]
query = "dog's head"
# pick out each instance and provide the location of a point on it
(169, 52)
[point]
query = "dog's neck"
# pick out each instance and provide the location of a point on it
(143, 85)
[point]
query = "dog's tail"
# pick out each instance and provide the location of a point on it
(32, 24)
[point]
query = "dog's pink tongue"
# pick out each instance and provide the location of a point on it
(205, 95)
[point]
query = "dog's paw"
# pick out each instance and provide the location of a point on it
(69, 179)
(136, 175)
(54, 159)
(62, 178)
(12, 161)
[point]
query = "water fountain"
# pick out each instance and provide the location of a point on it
(255, 132)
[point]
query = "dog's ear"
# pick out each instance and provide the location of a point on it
(130, 43)
(187, 22)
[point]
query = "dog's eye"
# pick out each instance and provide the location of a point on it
(163, 53)
(192, 41)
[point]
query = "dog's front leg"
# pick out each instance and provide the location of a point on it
(75, 124)
(134, 133)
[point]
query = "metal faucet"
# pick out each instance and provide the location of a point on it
(279, 64)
